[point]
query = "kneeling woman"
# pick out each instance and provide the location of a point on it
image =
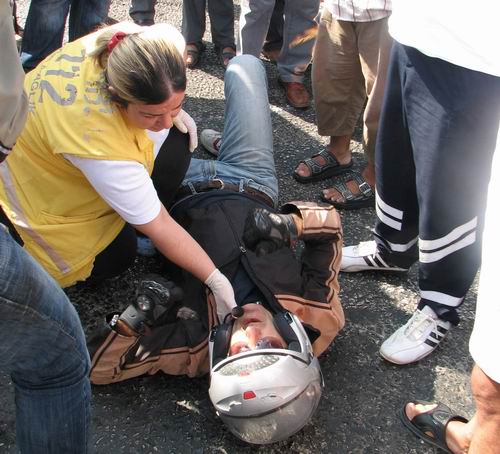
(81, 178)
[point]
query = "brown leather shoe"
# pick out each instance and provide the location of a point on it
(296, 94)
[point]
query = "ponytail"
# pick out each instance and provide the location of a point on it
(143, 65)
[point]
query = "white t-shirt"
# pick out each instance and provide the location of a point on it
(461, 32)
(125, 185)
(485, 338)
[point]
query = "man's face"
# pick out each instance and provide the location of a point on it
(155, 117)
(255, 329)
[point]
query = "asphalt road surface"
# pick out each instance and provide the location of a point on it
(362, 394)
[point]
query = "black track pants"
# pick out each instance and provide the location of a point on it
(435, 145)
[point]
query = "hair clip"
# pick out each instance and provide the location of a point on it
(115, 39)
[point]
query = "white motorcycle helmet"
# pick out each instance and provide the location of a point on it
(265, 395)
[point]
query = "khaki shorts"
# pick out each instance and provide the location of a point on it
(350, 64)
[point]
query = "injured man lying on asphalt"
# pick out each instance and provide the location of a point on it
(265, 379)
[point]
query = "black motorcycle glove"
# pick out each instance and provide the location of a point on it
(266, 232)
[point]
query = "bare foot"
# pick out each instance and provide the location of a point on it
(338, 147)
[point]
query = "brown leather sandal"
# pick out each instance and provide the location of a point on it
(225, 55)
(193, 51)
(352, 201)
(317, 172)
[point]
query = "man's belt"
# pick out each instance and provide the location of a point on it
(205, 186)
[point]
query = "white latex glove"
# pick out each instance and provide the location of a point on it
(185, 123)
(223, 293)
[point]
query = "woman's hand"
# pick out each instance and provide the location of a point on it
(223, 293)
(185, 124)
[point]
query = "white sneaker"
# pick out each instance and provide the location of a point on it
(418, 338)
(211, 140)
(365, 257)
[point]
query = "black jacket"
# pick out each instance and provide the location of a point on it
(307, 287)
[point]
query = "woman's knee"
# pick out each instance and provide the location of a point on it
(117, 257)
(171, 165)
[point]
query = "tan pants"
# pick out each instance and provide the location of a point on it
(350, 64)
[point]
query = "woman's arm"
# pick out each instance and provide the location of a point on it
(177, 245)
(128, 189)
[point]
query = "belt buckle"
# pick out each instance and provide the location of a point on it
(220, 181)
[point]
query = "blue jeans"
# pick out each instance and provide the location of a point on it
(42, 347)
(44, 29)
(246, 152)
(296, 52)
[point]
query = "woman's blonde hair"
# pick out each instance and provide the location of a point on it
(144, 67)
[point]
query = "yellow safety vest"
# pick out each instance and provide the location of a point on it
(62, 220)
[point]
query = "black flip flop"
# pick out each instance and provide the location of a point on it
(364, 199)
(433, 422)
(331, 168)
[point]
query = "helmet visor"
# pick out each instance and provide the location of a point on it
(277, 424)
